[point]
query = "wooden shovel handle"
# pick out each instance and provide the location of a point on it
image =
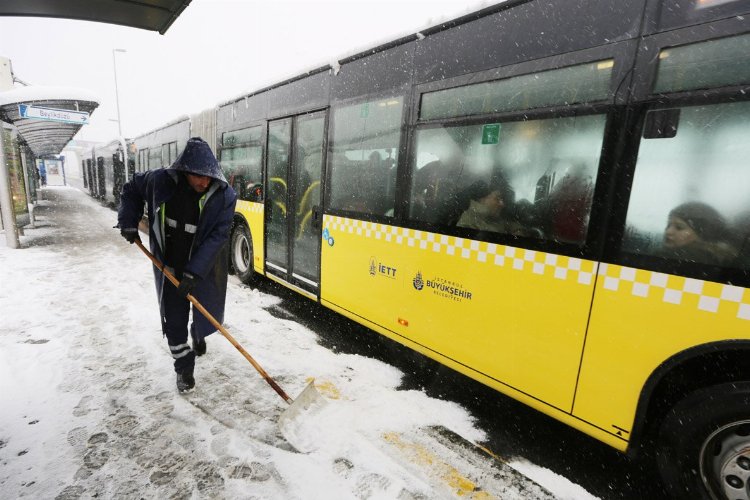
(216, 324)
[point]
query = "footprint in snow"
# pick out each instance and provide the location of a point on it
(371, 484)
(119, 385)
(159, 404)
(167, 467)
(254, 471)
(76, 437)
(98, 438)
(81, 408)
(160, 478)
(96, 457)
(207, 476)
(123, 425)
(342, 467)
(219, 445)
(134, 366)
(70, 493)
(129, 489)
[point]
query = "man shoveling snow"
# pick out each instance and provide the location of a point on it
(190, 208)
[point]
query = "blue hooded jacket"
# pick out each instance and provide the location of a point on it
(209, 253)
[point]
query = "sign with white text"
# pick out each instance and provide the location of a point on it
(52, 114)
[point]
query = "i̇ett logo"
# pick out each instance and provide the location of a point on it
(380, 269)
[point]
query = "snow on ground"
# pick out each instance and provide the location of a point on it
(89, 406)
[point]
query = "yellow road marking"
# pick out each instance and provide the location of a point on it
(458, 483)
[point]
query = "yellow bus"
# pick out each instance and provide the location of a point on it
(551, 197)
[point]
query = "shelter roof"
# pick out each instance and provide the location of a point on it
(45, 137)
(152, 15)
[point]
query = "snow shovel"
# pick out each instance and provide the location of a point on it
(309, 399)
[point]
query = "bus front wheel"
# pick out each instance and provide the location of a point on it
(704, 444)
(242, 253)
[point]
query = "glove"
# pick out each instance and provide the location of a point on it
(130, 234)
(186, 284)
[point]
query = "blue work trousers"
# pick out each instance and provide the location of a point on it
(174, 325)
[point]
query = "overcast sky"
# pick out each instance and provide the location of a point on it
(216, 50)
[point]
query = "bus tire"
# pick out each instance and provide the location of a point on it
(704, 444)
(241, 252)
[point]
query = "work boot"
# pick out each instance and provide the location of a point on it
(199, 345)
(185, 381)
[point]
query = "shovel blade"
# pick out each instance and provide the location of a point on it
(292, 420)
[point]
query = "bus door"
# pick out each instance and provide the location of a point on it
(293, 207)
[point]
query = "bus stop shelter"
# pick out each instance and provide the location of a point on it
(43, 120)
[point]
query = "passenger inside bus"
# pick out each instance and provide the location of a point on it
(564, 211)
(436, 198)
(487, 208)
(365, 185)
(697, 232)
(253, 191)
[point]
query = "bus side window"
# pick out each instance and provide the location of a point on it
(531, 178)
(154, 158)
(240, 160)
(165, 159)
(364, 146)
(689, 198)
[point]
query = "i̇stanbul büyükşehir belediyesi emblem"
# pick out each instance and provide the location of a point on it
(417, 281)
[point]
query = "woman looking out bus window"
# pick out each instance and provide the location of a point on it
(697, 232)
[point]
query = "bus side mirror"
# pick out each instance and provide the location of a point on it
(661, 124)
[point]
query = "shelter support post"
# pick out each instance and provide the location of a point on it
(26, 182)
(62, 166)
(6, 201)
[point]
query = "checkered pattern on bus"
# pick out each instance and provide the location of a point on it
(558, 266)
(707, 295)
(640, 283)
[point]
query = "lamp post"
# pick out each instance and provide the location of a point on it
(123, 145)
(117, 93)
